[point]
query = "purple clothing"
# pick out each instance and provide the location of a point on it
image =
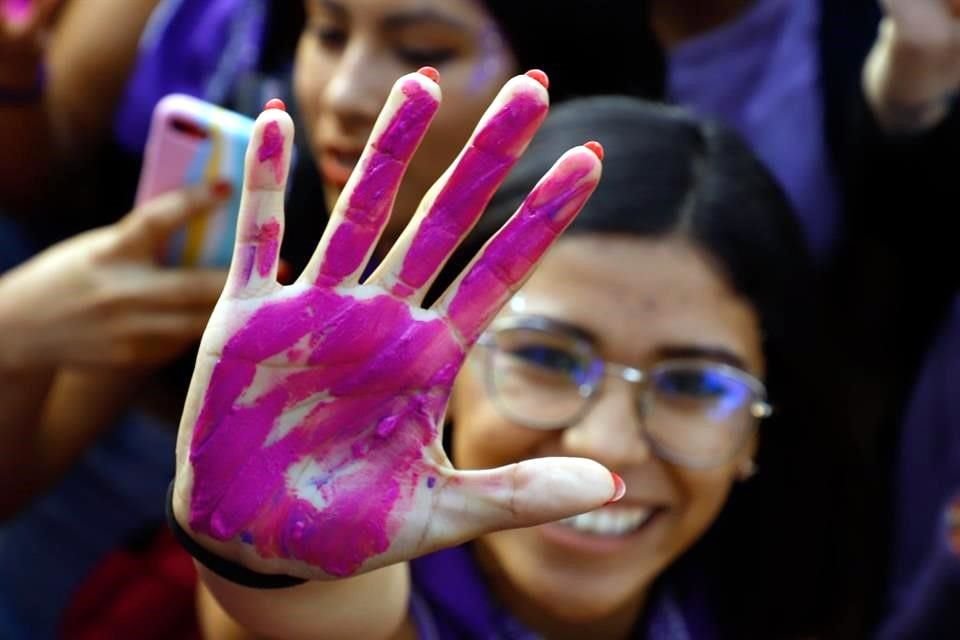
(197, 47)
(450, 601)
(925, 572)
(760, 75)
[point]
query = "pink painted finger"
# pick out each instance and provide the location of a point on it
(362, 211)
(509, 257)
(253, 270)
(528, 493)
(454, 204)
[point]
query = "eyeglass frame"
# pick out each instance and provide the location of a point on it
(760, 408)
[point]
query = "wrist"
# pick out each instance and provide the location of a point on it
(214, 556)
(909, 85)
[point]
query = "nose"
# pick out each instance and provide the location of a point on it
(355, 90)
(610, 432)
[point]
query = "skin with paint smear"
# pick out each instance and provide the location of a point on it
(310, 442)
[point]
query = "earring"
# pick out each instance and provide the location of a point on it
(747, 469)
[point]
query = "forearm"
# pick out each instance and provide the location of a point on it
(909, 85)
(372, 605)
(23, 394)
(49, 419)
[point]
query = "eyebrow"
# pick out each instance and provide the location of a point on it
(400, 20)
(718, 354)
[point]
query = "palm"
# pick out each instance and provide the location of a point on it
(312, 431)
(342, 404)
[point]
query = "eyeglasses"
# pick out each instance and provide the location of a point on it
(694, 412)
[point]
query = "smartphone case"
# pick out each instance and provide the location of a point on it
(192, 142)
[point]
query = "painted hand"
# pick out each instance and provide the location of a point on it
(310, 441)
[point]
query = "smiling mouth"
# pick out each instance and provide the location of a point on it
(336, 166)
(612, 521)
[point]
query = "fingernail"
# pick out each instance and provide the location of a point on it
(275, 103)
(619, 489)
(222, 188)
(540, 77)
(430, 72)
(596, 147)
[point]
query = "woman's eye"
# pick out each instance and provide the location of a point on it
(333, 38)
(556, 360)
(417, 57)
(699, 384)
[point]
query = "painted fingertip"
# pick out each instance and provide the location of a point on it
(430, 72)
(539, 76)
(596, 147)
(619, 489)
(275, 103)
(221, 188)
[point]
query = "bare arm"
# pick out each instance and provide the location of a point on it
(89, 52)
(80, 325)
(48, 421)
(372, 605)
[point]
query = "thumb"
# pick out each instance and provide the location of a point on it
(523, 494)
(158, 218)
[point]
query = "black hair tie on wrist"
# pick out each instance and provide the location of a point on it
(226, 569)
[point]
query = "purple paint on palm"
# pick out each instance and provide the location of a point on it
(378, 364)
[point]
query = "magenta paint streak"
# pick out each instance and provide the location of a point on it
(472, 183)
(371, 200)
(248, 256)
(16, 10)
(271, 148)
(268, 246)
(390, 376)
(511, 255)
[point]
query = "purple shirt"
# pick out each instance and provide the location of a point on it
(925, 572)
(760, 75)
(450, 600)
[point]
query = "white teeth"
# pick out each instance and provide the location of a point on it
(609, 521)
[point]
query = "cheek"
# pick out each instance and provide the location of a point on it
(704, 495)
(309, 79)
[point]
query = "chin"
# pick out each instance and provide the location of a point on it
(572, 590)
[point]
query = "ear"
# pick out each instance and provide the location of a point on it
(747, 466)
(746, 469)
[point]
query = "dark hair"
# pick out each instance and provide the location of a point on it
(779, 560)
(583, 45)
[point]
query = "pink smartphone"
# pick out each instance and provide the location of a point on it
(192, 142)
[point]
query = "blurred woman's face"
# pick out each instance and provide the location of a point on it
(640, 303)
(349, 56)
